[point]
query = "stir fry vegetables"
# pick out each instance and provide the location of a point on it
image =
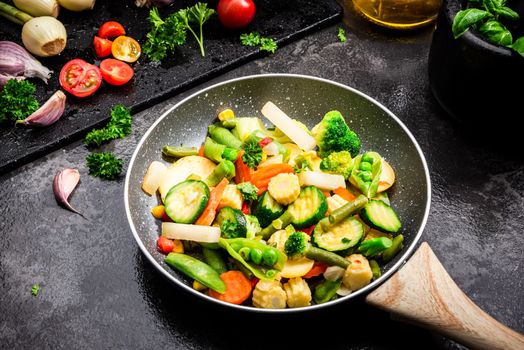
(280, 217)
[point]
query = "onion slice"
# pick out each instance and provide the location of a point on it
(63, 185)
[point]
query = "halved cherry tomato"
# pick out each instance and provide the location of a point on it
(79, 78)
(110, 30)
(126, 49)
(102, 46)
(236, 14)
(116, 72)
(165, 245)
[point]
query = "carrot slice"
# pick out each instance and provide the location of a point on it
(201, 151)
(344, 193)
(210, 211)
(317, 269)
(242, 171)
(261, 177)
(238, 287)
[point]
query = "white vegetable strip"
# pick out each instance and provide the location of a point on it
(197, 233)
(334, 273)
(154, 175)
(288, 126)
(324, 181)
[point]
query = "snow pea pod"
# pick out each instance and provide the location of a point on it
(326, 291)
(196, 269)
(214, 258)
(366, 173)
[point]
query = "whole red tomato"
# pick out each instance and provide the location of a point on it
(236, 14)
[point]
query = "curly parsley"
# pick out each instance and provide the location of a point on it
(104, 165)
(255, 39)
(252, 153)
(342, 35)
(119, 126)
(35, 289)
(17, 100)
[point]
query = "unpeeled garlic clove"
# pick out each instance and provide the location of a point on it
(63, 185)
(48, 113)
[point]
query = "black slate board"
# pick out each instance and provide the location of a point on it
(153, 82)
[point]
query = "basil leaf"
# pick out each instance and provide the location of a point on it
(518, 45)
(493, 5)
(507, 13)
(467, 18)
(495, 32)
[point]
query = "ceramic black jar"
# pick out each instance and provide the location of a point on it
(475, 81)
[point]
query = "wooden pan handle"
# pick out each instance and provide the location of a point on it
(423, 293)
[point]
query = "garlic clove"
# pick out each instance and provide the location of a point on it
(64, 183)
(48, 113)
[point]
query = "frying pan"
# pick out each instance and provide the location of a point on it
(419, 292)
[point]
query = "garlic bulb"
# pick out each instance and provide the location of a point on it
(44, 36)
(15, 61)
(38, 8)
(77, 5)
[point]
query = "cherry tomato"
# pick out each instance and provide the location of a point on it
(236, 14)
(110, 30)
(79, 78)
(126, 49)
(102, 46)
(165, 245)
(116, 72)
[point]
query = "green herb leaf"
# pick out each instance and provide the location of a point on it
(493, 5)
(164, 36)
(518, 45)
(119, 126)
(495, 32)
(250, 39)
(248, 191)
(507, 13)
(35, 289)
(466, 19)
(268, 44)
(196, 14)
(104, 165)
(17, 100)
(342, 35)
(252, 153)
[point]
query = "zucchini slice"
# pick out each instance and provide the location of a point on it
(236, 222)
(267, 209)
(341, 236)
(379, 215)
(308, 208)
(186, 201)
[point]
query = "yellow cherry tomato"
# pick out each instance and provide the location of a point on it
(126, 49)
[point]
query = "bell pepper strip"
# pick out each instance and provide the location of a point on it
(245, 208)
(238, 287)
(344, 193)
(366, 173)
(197, 270)
(265, 141)
(317, 269)
(262, 176)
(266, 259)
(309, 230)
(201, 151)
(210, 211)
(242, 171)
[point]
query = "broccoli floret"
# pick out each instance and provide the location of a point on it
(253, 226)
(338, 163)
(332, 134)
(296, 244)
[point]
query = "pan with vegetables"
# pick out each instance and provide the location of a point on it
(286, 193)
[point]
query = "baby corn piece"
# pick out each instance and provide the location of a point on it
(334, 202)
(284, 188)
(269, 295)
(298, 292)
(231, 198)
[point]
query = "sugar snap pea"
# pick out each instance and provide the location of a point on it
(398, 244)
(197, 270)
(179, 152)
(215, 259)
(326, 291)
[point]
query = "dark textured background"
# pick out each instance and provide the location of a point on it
(98, 292)
(153, 82)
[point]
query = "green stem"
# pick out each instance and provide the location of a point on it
(198, 41)
(13, 14)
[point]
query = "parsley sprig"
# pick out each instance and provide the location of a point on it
(17, 100)
(119, 126)
(105, 165)
(166, 35)
(342, 35)
(35, 289)
(252, 153)
(255, 39)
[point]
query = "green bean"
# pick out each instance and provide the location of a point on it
(179, 152)
(215, 259)
(277, 224)
(326, 257)
(213, 150)
(375, 269)
(225, 169)
(197, 270)
(344, 211)
(398, 244)
(230, 154)
(224, 136)
(326, 291)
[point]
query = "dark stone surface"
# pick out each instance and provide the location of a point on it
(98, 292)
(284, 21)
